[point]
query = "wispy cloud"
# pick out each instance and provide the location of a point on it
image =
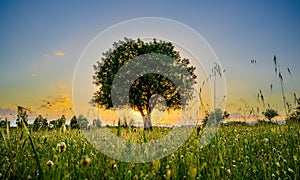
(59, 105)
(62, 99)
(62, 86)
(59, 53)
(7, 111)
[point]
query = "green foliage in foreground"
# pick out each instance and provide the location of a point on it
(236, 152)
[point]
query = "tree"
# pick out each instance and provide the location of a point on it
(4, 123)
(97, 123)
(74, 123)
(270, 113)
(83, 122)
(146, 86)
(40, 123)
(22, 118)
(53, 124)
(61, 121)
(79, 123)
(214, 117)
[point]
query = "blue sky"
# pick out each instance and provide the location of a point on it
(41, 42)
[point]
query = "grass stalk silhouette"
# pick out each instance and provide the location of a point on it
(278, 72)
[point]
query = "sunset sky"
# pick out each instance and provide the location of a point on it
(41, 42)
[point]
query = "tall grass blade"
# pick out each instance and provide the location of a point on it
(41, 174)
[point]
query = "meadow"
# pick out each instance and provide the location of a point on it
(238, 151)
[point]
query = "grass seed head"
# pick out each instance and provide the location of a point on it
(85, 161)
(61, 146)
(172, 156)
(50, 163)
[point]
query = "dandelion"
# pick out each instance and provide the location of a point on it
(181, 157)
(50, 163)
(165, 150)
(85, 161)
(61, 146)
(114, 167)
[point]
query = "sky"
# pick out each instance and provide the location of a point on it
(41, 42)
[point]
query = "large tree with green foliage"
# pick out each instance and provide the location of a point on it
(143, 88)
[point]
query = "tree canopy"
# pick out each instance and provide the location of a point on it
(174, 87)
(270, 113)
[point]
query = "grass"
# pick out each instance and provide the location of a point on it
(238, 151)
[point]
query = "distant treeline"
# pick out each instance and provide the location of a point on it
(41, 123)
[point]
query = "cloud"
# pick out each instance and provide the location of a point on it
(62, 99)
(33, 75)
(62, 86)
(7, 111)
(57, 105)
(59, 53)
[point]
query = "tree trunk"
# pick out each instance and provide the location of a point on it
(147, 122)
(146, 118)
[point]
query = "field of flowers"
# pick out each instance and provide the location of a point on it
(238, 151)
